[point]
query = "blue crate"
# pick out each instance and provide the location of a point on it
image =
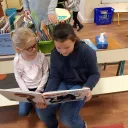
(103, 16)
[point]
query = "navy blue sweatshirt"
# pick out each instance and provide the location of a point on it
(78, 68)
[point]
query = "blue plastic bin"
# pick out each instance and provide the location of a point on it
(103, 16)
(10, 11)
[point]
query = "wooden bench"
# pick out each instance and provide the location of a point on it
(118, 12)
(104, 86)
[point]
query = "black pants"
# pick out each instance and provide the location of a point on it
(61, 4)
(76, 21)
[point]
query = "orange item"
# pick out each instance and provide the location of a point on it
(3, 76)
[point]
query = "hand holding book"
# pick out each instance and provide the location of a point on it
(52, 18)
(88, 95)
(27, 13)
(41, 105)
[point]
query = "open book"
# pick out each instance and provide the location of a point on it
(47, 97)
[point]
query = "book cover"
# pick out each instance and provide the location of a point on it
(22, 96)
(2, 22)
(18, 21)
(37, 23)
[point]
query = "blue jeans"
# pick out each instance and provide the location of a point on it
(25, 107)
(68, 112)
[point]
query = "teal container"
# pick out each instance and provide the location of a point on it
(10, 11)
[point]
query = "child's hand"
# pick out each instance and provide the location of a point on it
(41, 105)
(38, 91)
(27, 13)
(88, 96)
(52, 18)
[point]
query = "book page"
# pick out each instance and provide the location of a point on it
(55, 97)
(22, 96)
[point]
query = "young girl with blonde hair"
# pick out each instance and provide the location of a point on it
(30, 66)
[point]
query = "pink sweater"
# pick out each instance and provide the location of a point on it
(31, 74)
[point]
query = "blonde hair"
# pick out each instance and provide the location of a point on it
(20, 37)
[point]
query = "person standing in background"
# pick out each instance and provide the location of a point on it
(61, 4)
(73, 5)
(44, 8)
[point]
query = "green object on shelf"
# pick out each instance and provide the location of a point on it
(46, 46)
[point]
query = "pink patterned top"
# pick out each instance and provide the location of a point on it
(31, 74)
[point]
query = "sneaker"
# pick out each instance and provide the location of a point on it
(85, 125)
(32, 111)
(74, 26)
(80, 27)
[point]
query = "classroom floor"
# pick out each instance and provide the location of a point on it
(100, 111)
(113, 30)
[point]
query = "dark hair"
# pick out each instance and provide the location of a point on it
(64, 31)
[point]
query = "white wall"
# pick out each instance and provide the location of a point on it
(88, 6)
(82, 10)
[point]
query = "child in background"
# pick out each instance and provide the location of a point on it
(73, 66)
(45, 9)
(61, 4)
(30, 67)
(74, 6)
